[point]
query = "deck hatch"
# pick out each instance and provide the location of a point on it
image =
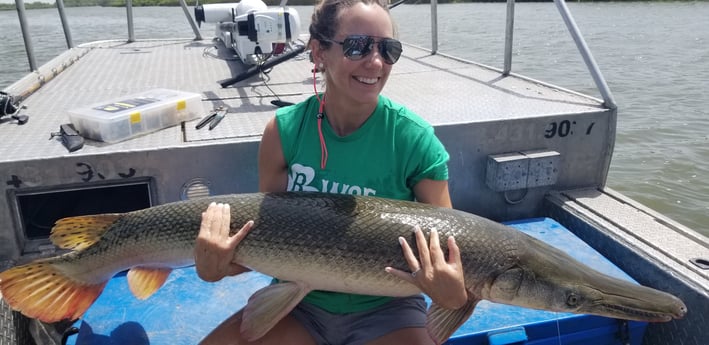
(38, 209)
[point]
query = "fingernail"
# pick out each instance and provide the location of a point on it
(401, 240)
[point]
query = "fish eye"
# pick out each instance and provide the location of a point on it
(572, 300)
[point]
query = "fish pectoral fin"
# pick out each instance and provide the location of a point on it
(80, 232)
(441, 323)
(144, 281)
(266, 307)
(39, 290)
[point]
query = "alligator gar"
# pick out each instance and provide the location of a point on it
(315, 241)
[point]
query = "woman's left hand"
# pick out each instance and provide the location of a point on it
(441, 280)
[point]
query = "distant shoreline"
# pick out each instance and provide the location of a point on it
(171, 3)
(141, 3)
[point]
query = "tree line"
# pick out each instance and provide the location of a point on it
(138, 3)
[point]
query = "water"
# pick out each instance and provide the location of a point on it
(654, 57)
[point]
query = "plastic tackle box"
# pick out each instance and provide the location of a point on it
(132, 115)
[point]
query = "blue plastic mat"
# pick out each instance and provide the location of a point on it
(185, 309)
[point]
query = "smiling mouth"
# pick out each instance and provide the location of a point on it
(368, 81)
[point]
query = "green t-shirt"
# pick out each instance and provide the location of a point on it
(392, 151)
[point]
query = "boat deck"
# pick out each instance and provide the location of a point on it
(441, 89)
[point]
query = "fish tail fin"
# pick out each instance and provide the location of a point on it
(80, 232)
(40, 290)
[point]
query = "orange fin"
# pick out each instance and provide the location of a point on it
(80, 232)
(143, 282)
(41, 291)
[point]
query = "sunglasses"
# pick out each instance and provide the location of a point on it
(356, 47)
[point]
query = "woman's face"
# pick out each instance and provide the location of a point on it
(358, 81)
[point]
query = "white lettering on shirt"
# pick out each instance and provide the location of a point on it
(302, 177)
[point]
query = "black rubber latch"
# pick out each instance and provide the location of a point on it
(700, 262)
(70, 137)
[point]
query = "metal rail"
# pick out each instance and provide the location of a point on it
(509, 30)
(590, 62)
(27, 37)
(129, 17)
(601, 84)
(195, 28)
(65, 24)
(20, 5)
(588, 59)
(434, 26)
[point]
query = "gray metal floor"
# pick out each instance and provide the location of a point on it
(441, 89)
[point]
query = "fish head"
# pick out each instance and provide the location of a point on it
(549, 279)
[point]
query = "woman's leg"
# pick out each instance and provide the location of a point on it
(408, 336)
(288, 331)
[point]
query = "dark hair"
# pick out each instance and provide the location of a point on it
(324, 21)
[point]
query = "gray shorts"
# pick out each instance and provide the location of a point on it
(359, 328)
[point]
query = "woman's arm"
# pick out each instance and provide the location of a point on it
(433, 192)
(214, 248)
(272, 169)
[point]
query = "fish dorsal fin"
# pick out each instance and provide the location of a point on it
(441, 323)
(266, 307)
(40, 290)
(80, 232)
(144, 281)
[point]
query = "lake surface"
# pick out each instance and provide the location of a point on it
(654, 56)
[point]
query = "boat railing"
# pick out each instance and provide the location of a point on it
(20, 4)
(568, 19)
(588, 59)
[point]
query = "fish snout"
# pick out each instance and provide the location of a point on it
(680, 310)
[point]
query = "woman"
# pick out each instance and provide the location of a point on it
(348, 140)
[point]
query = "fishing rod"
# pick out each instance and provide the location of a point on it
(252, 71)
(397, 3)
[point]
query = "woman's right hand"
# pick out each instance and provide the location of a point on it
(214, 248)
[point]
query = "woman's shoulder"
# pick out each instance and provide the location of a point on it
(403, 115)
